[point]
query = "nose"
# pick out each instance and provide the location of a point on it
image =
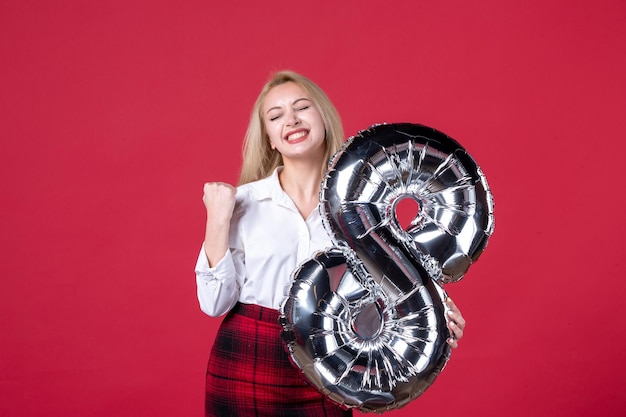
(292, 118)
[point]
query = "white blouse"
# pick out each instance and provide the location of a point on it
(268, 240)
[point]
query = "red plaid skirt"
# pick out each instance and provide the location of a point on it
(250, 373)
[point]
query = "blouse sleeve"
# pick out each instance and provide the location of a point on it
(218, 287)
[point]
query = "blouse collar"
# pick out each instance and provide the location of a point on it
(269, 188)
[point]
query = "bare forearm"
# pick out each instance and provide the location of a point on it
(219, 200)
(216, 241)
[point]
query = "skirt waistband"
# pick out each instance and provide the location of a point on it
(256, 312)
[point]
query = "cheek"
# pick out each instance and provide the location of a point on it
(271, 135)
(272, 138)
(320, 123)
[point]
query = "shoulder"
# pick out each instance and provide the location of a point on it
(262, 189)
(254, 192)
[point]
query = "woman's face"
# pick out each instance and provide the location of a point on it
(293, 123)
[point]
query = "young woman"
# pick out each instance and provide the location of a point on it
(256, 235)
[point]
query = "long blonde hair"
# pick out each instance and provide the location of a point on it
(259, 159)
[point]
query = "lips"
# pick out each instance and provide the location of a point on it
(296, 135)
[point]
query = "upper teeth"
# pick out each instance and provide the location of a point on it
(297, 135)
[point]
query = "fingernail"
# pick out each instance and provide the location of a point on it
(450, 313)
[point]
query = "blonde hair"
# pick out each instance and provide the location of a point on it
(259, 159)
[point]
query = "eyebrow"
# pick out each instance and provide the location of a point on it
(294, 103)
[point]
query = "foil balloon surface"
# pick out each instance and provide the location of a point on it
(365, 319)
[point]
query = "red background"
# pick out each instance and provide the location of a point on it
(113, 114)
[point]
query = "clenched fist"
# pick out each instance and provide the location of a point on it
(219, 200)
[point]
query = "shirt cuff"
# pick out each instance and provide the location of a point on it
(223, 271)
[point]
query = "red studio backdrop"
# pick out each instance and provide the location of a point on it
(114, 113)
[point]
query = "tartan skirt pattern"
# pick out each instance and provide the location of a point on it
(250, 373)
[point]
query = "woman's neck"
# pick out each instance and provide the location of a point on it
(301, 181)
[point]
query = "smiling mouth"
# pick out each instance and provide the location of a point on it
(297, 135)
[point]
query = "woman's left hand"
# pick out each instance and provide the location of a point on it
(456, 323)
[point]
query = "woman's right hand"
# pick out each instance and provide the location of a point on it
(219, 199)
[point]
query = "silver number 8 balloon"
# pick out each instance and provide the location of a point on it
(365, 320)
